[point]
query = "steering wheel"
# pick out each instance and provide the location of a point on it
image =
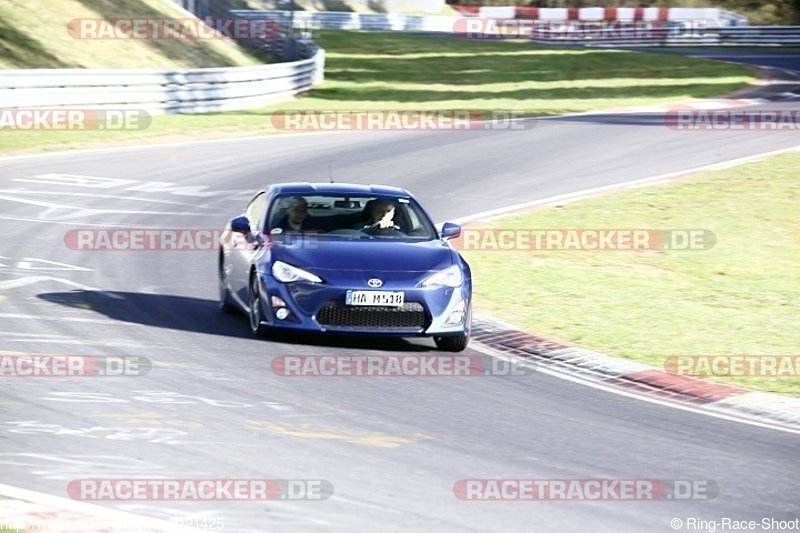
(393, 231)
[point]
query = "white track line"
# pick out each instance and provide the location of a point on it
(30, 280)
(542, 367)
(98, 513)
(20, 316)
(586, 193)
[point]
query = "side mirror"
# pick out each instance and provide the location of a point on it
(450, 231)
(240, 225)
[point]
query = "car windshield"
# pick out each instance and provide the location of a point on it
(349, 217)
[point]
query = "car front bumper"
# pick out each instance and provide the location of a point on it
(306, 303)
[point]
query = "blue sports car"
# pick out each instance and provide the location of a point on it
(346, 259)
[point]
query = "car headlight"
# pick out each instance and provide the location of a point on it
(449, 277)
(287, 273)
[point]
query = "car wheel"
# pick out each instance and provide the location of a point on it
(453, 343)
(254, 314)
(226, 304)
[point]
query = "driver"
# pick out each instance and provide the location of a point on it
(381, 216)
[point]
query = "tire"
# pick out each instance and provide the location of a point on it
(453, 343)
(456, 343)
(226, 304)
(254, 312)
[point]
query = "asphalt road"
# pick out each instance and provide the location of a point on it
(764, 57)
(392, 448)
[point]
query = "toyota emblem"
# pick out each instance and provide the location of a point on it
(374, 283)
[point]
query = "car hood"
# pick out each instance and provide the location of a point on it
(365, 255)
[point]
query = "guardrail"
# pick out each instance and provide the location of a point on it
(760, 35)
(662, 34)
(163, 91)
(679, 35)
(336, 20)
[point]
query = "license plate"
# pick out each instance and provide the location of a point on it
(382, 298)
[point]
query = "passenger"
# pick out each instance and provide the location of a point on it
(296, 218)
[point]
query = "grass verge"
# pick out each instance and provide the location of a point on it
(387, 71)
(740, 297)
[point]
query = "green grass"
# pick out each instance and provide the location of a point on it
(384, 71)
(33, 34)
(740, 297)
(436, 73)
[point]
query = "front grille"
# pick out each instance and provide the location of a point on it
(410, 316)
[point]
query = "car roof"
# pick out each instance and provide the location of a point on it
(302, 188)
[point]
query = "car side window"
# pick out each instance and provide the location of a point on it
(255, 210)
(412, 216)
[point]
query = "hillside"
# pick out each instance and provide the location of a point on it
(33, 34)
